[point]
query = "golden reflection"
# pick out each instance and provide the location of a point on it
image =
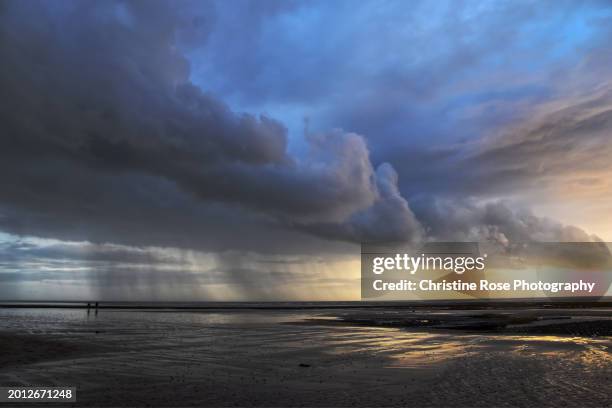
(415, 349)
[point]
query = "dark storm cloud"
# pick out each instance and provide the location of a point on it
(121, 131)
(106, 139)
(389, 219)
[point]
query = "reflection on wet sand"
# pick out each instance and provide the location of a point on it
(295, 358)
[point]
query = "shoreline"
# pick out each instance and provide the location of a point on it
(264, 358)
(466, 304)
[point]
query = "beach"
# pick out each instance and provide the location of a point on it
(308, 357)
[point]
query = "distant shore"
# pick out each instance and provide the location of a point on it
(476, 304)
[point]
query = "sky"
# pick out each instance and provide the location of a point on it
(242, 150)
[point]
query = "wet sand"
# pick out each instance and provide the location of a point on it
(306, 358)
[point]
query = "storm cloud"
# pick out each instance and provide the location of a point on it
(250, 144)
(101, 124)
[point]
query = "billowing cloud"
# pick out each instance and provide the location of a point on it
(102, 125)
(469, 221)
(124, 139)
(389, 219)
